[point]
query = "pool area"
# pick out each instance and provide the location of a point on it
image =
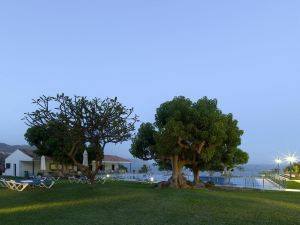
(244, 182)
(238, 182)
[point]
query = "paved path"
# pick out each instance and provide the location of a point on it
(292, 190)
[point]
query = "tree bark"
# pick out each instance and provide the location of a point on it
(177, 180)
(86, 170)
(196, 173)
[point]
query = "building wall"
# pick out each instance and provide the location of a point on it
(24, 163)
(108, 166)
(15, 158)
(25, 166)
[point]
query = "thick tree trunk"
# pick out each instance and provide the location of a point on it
(177, 180)
(196, 173)
(85, 169)
(91, 176)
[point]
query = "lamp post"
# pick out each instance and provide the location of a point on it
(291, 159)
(278, 161)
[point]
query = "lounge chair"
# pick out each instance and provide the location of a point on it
(16, 186)
(47, 183)
(44, 183)
(79, 179)
(75, 179)
(100, 179)
(3, 183)
(21, 185)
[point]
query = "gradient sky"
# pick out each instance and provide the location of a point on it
(244, 53)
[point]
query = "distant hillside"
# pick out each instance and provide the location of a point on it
(7, 149)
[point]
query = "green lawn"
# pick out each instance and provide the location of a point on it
(127, 203)
(292, 185)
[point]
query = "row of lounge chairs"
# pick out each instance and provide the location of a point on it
(23, 184)
(85, 180)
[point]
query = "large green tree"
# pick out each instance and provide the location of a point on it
(190, 134)
(64, 127)
(50, 140)
(226, 154)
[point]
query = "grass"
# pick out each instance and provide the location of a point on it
(133, 204)
(292, 185)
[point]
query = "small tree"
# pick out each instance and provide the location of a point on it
(123, 168)
(295, 168)
(76, 124)
(144, 169)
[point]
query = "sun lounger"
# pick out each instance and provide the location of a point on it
(16, 186)
(44, 183)
(101, 179)
(47, 183)
(79, 180)
(3, 183)
(21, 185)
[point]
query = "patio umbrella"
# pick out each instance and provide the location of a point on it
(85, 161)
(93, 165)
(43, 163)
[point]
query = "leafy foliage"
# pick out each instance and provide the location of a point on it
(295, 168)
(192, 134)
(143, 143)
(144, 169)
(63, 127)
(50, 140)
(123, 168)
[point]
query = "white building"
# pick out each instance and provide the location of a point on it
(111, 163)
(26, 163)
(23, 162)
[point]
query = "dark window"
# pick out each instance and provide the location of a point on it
(102, 167)
(7, 166)
(112, 167)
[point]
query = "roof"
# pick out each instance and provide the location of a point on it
(30, 153)
(107, 158)
(114, 158)
(33, 155)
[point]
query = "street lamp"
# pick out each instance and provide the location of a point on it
(291, 158)
(278, 161)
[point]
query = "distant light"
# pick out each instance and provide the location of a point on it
(278, 160)
(107, 175)
(291, 158)
(151, 179)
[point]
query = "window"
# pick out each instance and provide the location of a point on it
(7, 166)
(112, 167)
(53, 166)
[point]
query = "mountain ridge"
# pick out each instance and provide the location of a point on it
(7, 149)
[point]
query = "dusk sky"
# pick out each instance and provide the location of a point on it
(244, 53)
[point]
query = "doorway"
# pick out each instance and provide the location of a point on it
(15, 170)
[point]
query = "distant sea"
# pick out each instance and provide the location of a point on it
(253, 169)
(248, 169)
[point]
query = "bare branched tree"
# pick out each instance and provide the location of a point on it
(90, 123)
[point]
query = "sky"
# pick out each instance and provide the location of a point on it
(244, 53)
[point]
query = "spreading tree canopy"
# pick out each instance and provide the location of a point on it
(196, 135)
(63, 127)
